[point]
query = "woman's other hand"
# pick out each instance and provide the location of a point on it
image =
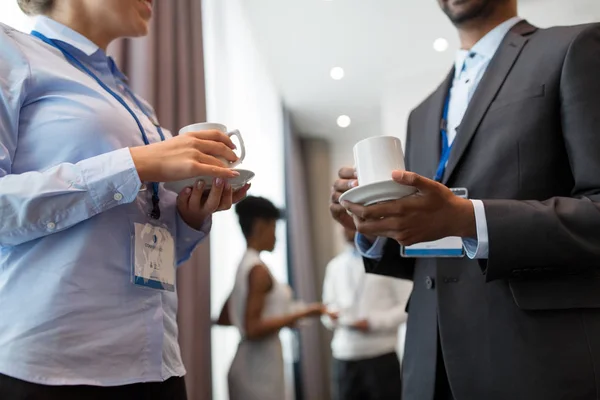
(195, 204)
(315, 310)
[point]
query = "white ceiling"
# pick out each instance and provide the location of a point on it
(375, 41)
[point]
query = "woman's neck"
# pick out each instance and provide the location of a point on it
(254, 247)
(81, 23)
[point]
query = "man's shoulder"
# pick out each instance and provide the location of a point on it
(558, 37)
(561, 37)
(567, 30)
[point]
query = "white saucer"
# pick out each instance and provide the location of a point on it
(236, 183)
(377, 192)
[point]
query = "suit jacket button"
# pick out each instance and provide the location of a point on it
(429, 282)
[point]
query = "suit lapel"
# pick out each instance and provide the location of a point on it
(428, 140)
(490, 84)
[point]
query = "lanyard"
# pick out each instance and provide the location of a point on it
(155, 213)
(446, 147)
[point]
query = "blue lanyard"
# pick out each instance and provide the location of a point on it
(446, 147)
(155, 213)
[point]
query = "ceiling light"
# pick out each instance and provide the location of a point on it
(337, 73)
(344, 121)
(440, 45)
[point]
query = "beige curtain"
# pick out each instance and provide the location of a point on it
(167, 69)
(310, 248)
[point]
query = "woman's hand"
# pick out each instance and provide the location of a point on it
(195, 205)
(185, 156)
(315, 310)
(311, 310)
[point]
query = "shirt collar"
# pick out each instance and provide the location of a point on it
(96, 56)
(487, 46)
(57, 31)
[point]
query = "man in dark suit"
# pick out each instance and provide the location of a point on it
(519, 318)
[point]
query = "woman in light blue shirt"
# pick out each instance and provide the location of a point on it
(88, 244)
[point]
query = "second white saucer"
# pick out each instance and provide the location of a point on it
(377, 192)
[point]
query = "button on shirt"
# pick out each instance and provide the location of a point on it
(469, 68)
(69, 195)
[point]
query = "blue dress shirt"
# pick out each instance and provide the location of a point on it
(69, 196)
(469, 68)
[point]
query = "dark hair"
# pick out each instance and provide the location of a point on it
(252, 209)
(35, 7)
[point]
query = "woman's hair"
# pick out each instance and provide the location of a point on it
(35, 7)
(252, 209)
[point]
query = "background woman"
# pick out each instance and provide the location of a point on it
(259, 306)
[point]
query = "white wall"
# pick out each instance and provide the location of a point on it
(240, 94)
(11, 14)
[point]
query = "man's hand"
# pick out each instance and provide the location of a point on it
(347, 180)
(195, 204)
(333, 315)
(433, 213)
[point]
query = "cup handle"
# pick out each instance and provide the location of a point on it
(237, 133)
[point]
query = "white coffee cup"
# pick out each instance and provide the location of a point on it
(205, 126)
(376, 157)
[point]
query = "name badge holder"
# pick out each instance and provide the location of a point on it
(153, 256)
(449, 247)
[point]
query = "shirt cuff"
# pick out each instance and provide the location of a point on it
(373, 251)
(187, 234)
(111, 179)
(478, 248)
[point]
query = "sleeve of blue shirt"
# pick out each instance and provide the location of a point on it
(38, 203)
(370, 250)
(188, 238)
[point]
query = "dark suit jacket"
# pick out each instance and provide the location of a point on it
(524, 324)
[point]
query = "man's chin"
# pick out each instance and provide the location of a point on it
(463, 11)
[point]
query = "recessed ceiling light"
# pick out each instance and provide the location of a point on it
(337, 73)
(440, 44)
(344, 121)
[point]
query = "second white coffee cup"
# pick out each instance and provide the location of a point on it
(375, 158)
(205, 126)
